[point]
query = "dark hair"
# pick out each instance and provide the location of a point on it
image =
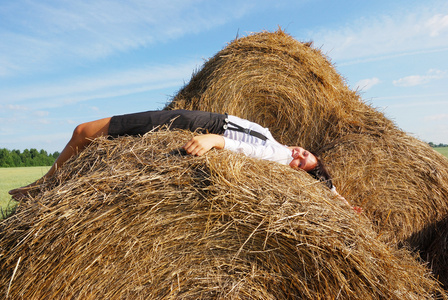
(321, 173)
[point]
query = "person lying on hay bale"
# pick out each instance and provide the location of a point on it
(220, 131)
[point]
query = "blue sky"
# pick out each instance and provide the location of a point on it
(67, 62)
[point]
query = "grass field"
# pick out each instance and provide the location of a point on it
(442, 150)
(16, 177)
(11, 178)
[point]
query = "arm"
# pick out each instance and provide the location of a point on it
(339, 197)
(200, 144)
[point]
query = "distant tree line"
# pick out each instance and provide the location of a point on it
(32, 157)
(27, 158)
(437, 145)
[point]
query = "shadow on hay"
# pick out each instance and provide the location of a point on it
(432, 245)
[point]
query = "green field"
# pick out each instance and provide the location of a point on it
(11, 178)
(442, 150)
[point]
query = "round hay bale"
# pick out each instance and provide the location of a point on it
(292, 88)
(285, 85)
(400, 180)
(434, 249)
(134, 218)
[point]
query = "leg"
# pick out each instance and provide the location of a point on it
(81, 138)
(143, 122)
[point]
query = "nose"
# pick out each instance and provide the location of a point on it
(300, 154)
(296, 153)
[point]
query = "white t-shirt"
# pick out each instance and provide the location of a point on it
(252, 146)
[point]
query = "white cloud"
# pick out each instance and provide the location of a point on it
(366, 84)
(438, 117)
(415, 80)
(41, 113)
(437, 25)
(119, 83)
(410, 81)
(43, 33)
(44, 121)
(423, 29)
(13, 107)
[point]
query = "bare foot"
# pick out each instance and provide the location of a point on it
(357, 209)
(21, 192)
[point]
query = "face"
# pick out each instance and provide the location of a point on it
(302, 159)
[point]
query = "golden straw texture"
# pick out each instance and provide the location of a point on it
(134, 218)
(293, 89)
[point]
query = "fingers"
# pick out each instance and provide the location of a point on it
(195, 147)
(200, 144)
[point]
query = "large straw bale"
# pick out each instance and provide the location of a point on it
(288, 86)
(134, 218)
(434, 248)
(292, 88)
(400, 180)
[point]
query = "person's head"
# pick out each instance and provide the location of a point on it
(302, 159)
(311, 163)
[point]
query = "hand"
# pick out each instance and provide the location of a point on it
(339, 197)
(200, 144)
(357, 209)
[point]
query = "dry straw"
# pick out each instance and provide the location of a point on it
(134, 218)
(293, 89)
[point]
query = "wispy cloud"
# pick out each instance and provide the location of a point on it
(414, 80)
(13, 107)
(437, 25)
(41, 113)
(388, 35)
(42, 33)
(97, 86)
(438, 117)
(367, 84)
(388, 56)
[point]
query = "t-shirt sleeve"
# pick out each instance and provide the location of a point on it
(269, 151)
